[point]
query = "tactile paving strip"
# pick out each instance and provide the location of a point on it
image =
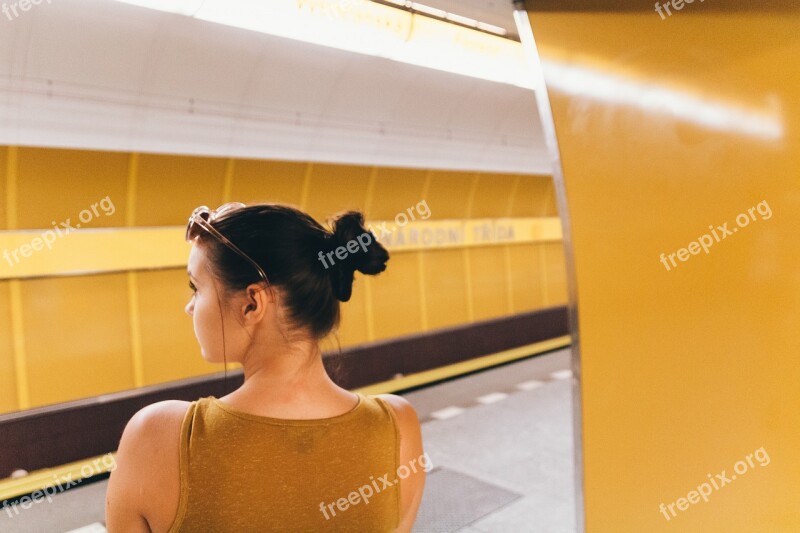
(453, 500)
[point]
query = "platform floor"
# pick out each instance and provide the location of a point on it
(501, 445)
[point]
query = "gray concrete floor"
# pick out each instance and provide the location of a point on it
(501, 445)
(521, 443)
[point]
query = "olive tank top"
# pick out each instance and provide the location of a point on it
(242, 472)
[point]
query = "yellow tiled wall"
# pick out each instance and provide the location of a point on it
(69, 337)
(672, 130)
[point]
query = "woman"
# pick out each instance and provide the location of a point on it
(289, 450)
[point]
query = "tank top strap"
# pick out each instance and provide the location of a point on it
(186, 431)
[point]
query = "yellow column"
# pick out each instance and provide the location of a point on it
(227, 182)
(466, 252)
(133, 279)
(677, 129)
(15, 286)
(306, 185)
(423, 300)
(507, 248)
(369, 309)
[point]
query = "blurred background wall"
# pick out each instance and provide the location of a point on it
(65, 336)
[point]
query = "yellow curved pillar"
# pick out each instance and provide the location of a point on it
(678, 127)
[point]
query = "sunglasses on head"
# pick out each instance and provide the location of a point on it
(202, 217)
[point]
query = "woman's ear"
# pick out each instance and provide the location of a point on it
(258, 299)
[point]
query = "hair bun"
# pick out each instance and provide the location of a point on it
(363, 252)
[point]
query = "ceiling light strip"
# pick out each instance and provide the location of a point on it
(371, 28)
(453, 18)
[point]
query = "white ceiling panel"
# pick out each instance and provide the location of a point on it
(99, 74)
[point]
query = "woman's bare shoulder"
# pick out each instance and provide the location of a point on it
(405, 412)
(154, 427)
(152, 436)
(148, 456)
(159, 415)
(412, 457)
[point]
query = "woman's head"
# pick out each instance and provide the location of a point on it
(304, 291)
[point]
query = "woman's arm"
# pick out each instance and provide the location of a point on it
(413, 457)
(144, 487)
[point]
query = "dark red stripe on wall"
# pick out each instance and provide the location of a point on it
(59, 434)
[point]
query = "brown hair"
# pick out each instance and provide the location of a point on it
(313, 266)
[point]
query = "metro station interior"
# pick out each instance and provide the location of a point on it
(590, 210)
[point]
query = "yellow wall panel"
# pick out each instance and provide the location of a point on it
(334, 188)
(169, 348)
(77, 337)
(77, 347)
(394, 191)
(489, 282)
(55, 185)
(689, 374)
(3, 191)
(493, 195)
(445, 288)
(395, 297)
(268, 181)
(171, 187)
(534, 197)
(555, 278)
(527, 279)
(449, 194)
(353, 327)
(8, 376)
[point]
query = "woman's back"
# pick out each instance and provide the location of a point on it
(243, 472)
(261, 298)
